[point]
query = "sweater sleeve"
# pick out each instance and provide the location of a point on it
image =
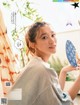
(49, 97)
(52, 94)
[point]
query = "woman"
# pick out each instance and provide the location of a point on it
(39, 83)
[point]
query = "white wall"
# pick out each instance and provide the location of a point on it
(74, 36)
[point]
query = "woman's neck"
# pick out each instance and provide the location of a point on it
(43, 57)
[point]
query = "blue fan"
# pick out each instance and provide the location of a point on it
(71, 53)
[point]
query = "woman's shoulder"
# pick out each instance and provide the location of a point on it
(36, 64)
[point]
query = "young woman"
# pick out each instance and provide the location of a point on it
(39, 83)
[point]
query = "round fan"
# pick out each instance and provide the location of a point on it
(71, 53)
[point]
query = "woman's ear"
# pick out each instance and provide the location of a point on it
(32, 45)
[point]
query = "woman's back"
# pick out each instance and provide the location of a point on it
(39, 86)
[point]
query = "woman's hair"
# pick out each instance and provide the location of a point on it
(30, 37)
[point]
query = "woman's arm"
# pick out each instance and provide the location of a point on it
(62, 75)
(75, 88)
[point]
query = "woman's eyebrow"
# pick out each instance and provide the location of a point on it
(42, 34)
(53, 32)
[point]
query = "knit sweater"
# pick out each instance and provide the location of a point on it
(39, 86)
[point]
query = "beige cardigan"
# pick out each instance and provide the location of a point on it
(39, 86)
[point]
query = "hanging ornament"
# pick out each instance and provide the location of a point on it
(19, 44)
(79, 22)
(13, 17)
(68, 24)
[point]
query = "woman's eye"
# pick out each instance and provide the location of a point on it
(53, 35)
(44, 37)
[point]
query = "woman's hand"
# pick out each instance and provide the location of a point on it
(70, 68)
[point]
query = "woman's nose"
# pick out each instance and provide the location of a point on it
(52, 40)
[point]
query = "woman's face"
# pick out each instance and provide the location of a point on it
(45, 41)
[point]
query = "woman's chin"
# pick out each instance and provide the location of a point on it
(53, 51)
